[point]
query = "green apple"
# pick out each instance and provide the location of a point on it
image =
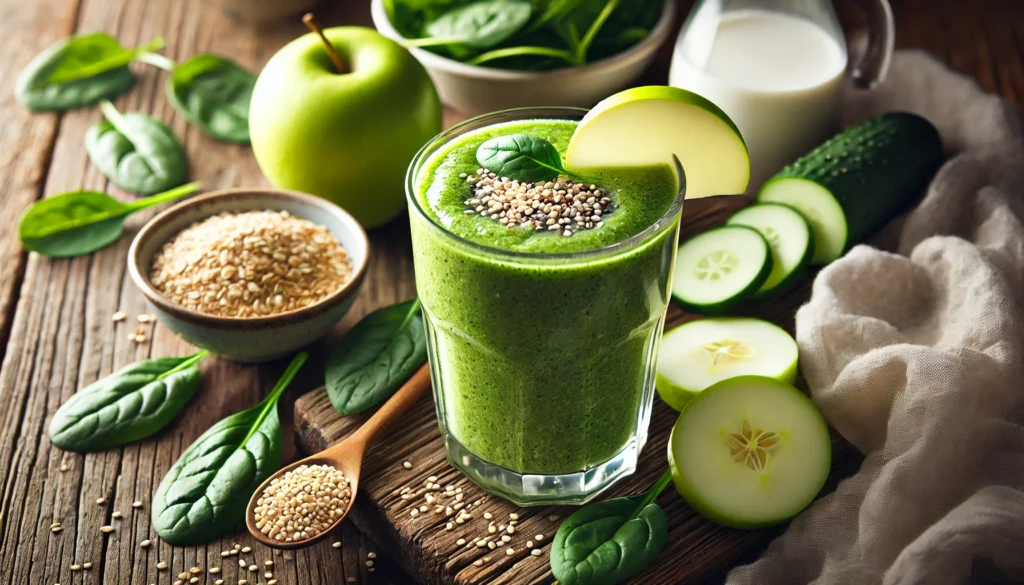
(347, 137)
(698, 354)
(750, 452)
(647, 125)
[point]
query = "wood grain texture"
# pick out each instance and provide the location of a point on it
(56, 335)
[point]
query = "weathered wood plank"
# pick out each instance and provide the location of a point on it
(26, 141)
(63, 338)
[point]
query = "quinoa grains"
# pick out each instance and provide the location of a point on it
(302, 503)
(250, 264)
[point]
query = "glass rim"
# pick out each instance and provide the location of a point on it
(570, 112)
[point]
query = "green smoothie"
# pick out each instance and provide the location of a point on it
(543, 345)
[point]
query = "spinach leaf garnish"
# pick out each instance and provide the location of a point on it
(126, 406)
(213, 93)
(523, 157)
(78, 71)
(137, 152)
(81, 222)
(376, 357)
(608, 542)
(206, 491)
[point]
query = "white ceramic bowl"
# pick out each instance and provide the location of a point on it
(261, 338)
(474, 90)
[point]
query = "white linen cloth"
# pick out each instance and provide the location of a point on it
(916, 356)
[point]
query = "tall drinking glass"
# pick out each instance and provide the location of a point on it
(543, 364)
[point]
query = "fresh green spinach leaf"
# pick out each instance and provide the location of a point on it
(607, 542)
(523, 157)
(557, 34)
(206, 491)
(480, 25)
(376, 357)
(126, 406)
(213, 93)
(81, 222)
(138, 153)
(74, 72)
(94, 54)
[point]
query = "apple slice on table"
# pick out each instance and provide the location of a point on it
(647, 125)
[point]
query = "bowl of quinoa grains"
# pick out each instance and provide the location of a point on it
(250, 274)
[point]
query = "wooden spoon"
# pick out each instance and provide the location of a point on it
(346, 456)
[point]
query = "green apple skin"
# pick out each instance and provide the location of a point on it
(348, 138)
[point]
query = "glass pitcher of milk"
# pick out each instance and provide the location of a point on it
(777, 69)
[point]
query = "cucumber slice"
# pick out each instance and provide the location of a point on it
(700, 353)
(858, 180)
(750, 452)
(790, 238)
(719, 268)
(819, 208)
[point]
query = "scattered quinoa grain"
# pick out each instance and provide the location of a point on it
(336, 545)
(161, 566)
(101, 501)
(137, 504)
(407, 465)
(247, 549)
(116, 515)
(145, 543)
(86, 565)
(510, 552)
(118, 316)
(106, 529)
(536, 552)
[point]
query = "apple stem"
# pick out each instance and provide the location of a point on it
(339, 63)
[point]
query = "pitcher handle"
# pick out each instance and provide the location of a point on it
(872, 67)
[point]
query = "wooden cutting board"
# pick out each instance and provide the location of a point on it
(697, 549)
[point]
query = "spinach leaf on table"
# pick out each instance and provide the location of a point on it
(81, 222)
(126, 406)
(77, 71)
(608, 542)
(206, 491)
(138, 153)
(376, 357)
(523, 157)
(213, 93)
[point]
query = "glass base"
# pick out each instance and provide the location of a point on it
(539, 490)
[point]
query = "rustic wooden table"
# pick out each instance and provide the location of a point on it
(56, 331)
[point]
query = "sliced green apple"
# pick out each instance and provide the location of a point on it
(750, 452)
(700, 353)
(647, 125)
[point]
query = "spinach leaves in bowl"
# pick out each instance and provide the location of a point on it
(527, 35)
